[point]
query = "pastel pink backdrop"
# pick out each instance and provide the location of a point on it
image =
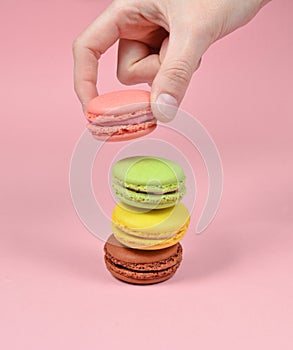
(234, 289)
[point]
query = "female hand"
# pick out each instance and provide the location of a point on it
(161, 42)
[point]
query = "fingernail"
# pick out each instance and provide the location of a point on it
(167, 106)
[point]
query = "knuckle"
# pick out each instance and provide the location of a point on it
(179, 72)
(120, 10)
(76, 44)
(117, 3)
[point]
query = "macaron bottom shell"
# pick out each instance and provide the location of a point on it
(141, 241)
(141, 278)
(124, 134)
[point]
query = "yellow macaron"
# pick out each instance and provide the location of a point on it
(149, 230)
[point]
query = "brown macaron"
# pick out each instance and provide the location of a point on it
(141, 266)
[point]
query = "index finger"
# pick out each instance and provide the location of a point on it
(87, 50)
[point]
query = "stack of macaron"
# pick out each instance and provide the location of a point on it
(120, 115)
(148, 221)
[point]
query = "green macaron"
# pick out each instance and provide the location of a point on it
(148, 182)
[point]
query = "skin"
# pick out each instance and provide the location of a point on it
(161, 43)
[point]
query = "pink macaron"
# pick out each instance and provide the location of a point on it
(120, 115)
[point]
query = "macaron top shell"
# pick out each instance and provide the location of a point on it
(119, 102)
(148, 174)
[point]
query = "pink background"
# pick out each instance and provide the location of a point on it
(234, 289)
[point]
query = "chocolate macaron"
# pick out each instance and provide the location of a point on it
(141, 266)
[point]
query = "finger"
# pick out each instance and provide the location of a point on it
(136, 62)
(85, 75)
(87, 50)
(182, 58)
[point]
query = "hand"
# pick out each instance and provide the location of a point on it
(161, 42)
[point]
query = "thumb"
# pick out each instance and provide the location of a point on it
(182, 58)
